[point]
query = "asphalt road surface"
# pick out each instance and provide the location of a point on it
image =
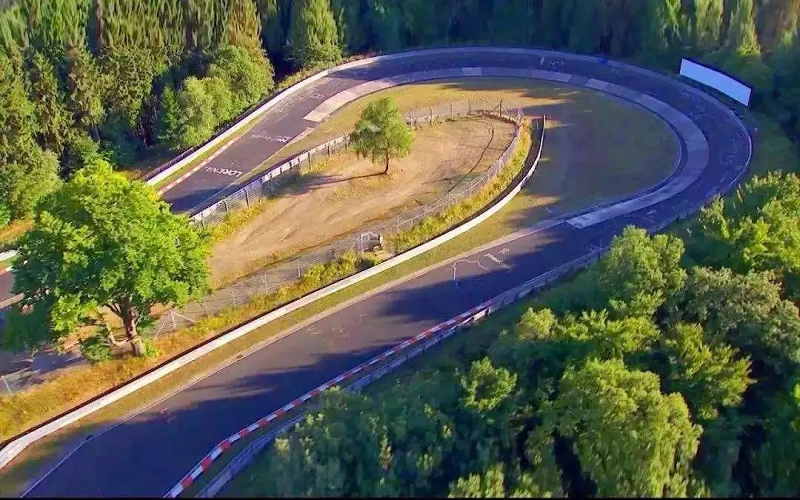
(148, 453)
(6, 282)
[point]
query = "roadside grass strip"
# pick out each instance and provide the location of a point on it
(278, 304)
(370, 367)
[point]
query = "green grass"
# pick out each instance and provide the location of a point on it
(773, 150)
(282, 85)
(527, 208)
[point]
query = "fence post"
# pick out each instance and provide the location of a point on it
(233, 294)
(225, 204)
(172, 317)
(246, 198)
(451, 110)
(469, 107)
(266, 288)
(8, 387)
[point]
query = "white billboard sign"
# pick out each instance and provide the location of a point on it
(720, 81)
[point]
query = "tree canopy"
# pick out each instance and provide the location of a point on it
(381, 133)
(102, 241)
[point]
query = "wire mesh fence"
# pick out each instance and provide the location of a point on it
(268, 184)
(365, 239)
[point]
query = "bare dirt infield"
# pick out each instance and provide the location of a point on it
(345, 192)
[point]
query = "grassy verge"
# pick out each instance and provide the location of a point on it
(287, 82)
(79, 384)
(527, 208)
(11, 233)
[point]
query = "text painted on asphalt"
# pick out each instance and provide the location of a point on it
(225, 171)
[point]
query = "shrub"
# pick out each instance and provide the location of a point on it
(5, 215)
(96, 349)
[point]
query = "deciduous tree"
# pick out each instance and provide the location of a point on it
(102, 241)
(709, 377)
(381, 133)
(638, 273)
(312, 33)
(631, 439)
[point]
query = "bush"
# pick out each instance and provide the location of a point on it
(96, 349)
(5, 215)
(150, 350)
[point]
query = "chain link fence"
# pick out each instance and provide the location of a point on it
(288, 270)
(363, 240)
(270, 183)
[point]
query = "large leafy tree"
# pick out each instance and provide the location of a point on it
(381, 133)
(638, 273)
(102, 241)
(708, 376)
(630, 439)
(312, 33)
(198, 105)
(338, 450)
(248, 75)
(758, 229)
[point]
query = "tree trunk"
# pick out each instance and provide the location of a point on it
(129, 321)
(386, 169)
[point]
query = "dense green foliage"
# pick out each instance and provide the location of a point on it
(647, 375)
(84, 79)
(693, 344)
(382, 133)
(102, 241)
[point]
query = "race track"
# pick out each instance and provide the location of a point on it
(146, 454)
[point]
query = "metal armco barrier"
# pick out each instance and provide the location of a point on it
(264, 185)
(15, 446)
(435, 336)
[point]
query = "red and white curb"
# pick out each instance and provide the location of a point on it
(194, 169)
(223, 446)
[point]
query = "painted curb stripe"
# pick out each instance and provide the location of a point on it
(206, 462)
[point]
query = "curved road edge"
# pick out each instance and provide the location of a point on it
(17, 445)
(724, 167)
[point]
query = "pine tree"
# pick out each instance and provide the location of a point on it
(169, 118)
(741, 51)
(52, 115)
(706, 25)
(312, 34)
(661, 27)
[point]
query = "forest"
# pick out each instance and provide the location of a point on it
(122, 80)
(669, 368)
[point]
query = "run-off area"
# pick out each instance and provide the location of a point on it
(597, 148)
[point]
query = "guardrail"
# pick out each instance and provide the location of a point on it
(265, 185)
(376, 368)
(17, 445)
(445, 330)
